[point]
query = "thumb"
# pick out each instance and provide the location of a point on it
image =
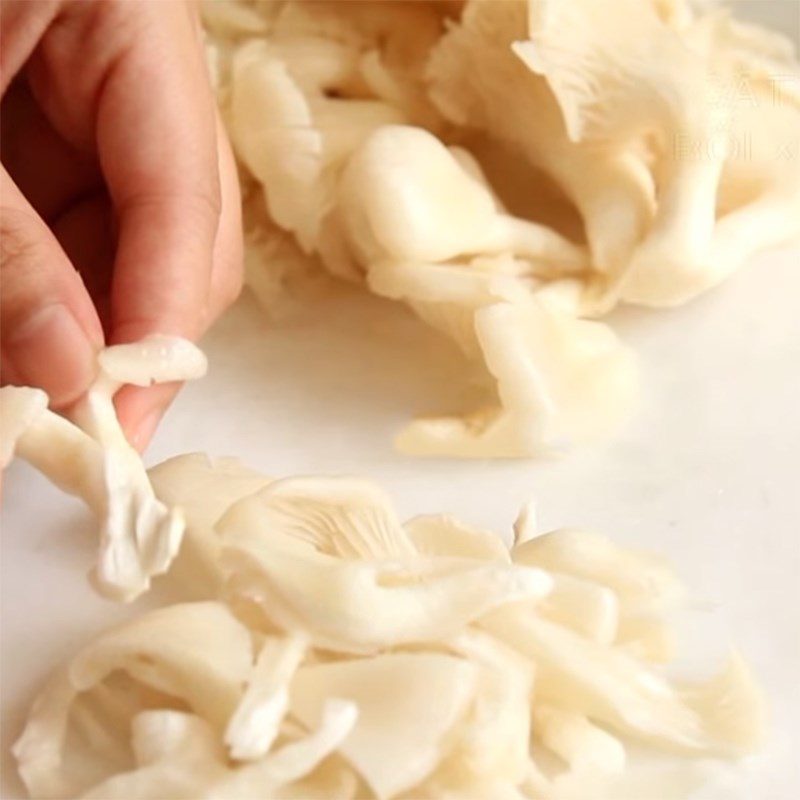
(49, 329)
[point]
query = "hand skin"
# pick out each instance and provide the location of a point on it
(119, 199)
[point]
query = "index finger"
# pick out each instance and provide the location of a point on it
(156, 142)
(156, 139)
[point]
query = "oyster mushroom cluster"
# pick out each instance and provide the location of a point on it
(512, 170)
(325, 649)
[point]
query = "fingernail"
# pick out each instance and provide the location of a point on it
(52, 351)
(146, 428)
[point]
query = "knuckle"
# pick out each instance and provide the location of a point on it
(230, 286)
(200, 204)
(201, 196)
(21, 245)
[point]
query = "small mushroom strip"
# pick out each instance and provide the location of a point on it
(90, 457)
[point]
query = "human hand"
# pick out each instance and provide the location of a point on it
(119, 209)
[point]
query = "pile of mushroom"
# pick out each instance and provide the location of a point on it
(325, 649)
(512, 170)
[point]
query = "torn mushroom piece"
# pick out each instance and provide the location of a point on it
(410, 706)
(20, 407)
(614, 689)
(559, 379)
(256, 722)
(91, 458)
(329, 559)
(204, 488)
(178, 755)
(479, 78)
(186, 658)
(140, 714)
(491, 748)
(591, 55)
(292, 135)
(406, 197)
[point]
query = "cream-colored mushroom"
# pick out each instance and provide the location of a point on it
(92, 459)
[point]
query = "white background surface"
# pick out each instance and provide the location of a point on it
(706, 472)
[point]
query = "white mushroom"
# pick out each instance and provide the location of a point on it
(91, 458)
(353, 656)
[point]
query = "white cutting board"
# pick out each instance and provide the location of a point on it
(706, 472)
